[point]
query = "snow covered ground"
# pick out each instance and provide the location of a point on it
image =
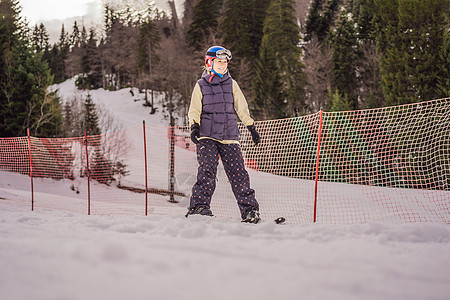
(58, 255)
(53, 254)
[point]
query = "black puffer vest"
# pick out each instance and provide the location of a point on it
(218, 119)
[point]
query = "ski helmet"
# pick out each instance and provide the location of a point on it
(216, 52)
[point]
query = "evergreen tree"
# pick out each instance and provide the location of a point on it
(90, 116)
(148, 45)
(24, 79)
(39, 41)
(73, 62)
(345, 57)
(63, 41)
(95, 61)
(90, 64)
(235, 28)
(119, 49)
(280, 56)
(444, 67)
(411, 36)
(204, 23)
(269, 99)
(83, 37)
(370, 92)
(366, 19)
(336, 102)
(40, 38)
(241, 29)
(9, 42)
(43, 112)
(59, 55)
(75, 36)
(321, 18)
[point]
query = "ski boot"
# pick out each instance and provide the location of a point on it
(200, 210)
(252, 217)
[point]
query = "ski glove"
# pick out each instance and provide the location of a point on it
(195, 133)
(255, 134)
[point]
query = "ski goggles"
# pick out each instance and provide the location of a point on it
(221, 54)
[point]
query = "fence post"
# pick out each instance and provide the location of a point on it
(317, 163)
(31, 169)
(88, 175)
(145, 163)
(172, 164)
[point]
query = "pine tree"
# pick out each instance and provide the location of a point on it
(280, 56)
(90, 116)
(269, 99)
(83, 37)
(43, 112)
(9, 42)
(242, 25)
(235, 27)
(75, 53)
(40, 38)
(321, 18)
(345, 57)
(336, 102)
(24, 80)
(75, 36)
(370, 92)
(411, 35)
(148, 45)
(90, 64)
(241, 29)
(204, 23)
(444, 68)
(40, 43)
(59, 53)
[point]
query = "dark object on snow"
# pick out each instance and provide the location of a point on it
(280, 220)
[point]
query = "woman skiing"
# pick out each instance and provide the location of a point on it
(215, 101)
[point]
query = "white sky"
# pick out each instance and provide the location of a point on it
(53, 13)
(44, 10)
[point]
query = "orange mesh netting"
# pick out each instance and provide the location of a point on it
(389, 164)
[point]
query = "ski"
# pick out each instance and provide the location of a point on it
(280, 220)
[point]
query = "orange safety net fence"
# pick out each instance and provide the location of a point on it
(388, 165)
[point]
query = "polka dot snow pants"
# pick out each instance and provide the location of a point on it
(208, 152)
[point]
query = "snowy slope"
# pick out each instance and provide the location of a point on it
(53, 254)
(57, 255)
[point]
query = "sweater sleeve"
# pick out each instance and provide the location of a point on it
(241, 105)
(195, 108)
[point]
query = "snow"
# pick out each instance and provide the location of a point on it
(54, 254)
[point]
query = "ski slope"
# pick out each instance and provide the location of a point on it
(61, 254)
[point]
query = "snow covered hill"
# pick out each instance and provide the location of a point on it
(52, 254)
